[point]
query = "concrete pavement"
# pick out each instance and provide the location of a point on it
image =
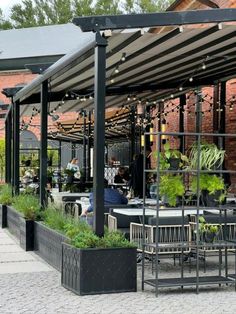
(29, 285)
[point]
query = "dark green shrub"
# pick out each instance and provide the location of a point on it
(5, 195)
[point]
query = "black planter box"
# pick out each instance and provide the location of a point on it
(3, 216)
(13, 221)
(96, 271)
(27, 234)
(48, 244)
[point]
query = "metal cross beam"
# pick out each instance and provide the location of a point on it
(111, 22)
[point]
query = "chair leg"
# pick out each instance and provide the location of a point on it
(204, 261)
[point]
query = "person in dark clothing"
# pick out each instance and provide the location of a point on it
(111, 196)
(122, 176)
(136, 171)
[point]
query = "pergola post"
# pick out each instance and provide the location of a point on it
(182, 103)
(198, 111)
(88, 148)
(8, 147)
(216, 112)
(222, 112)
(99, 132)
(132, 133)
(16, 146)
(73, 148)
(84, 147)
(43, 144)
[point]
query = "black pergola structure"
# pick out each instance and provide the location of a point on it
(114, 64)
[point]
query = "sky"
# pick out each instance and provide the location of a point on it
(5, 5)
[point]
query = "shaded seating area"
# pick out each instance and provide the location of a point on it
(127, 70)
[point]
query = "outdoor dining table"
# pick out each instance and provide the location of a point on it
(163, 212)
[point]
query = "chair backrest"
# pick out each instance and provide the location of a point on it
(112, 223)
(168, 236)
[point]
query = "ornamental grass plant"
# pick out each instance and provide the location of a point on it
(6, 195)
(28, 205)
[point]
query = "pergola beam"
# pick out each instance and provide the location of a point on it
(111, 22)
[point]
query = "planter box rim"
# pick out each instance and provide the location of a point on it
(41, 223)
(13, 209)
(99, 248)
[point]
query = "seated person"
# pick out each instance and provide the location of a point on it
(122, 176)
(111, 196)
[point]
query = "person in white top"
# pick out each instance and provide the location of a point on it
(73, 165)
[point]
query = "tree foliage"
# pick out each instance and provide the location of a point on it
(4, 24)
(31, 13)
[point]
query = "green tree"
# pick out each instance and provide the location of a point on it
(45, 12)
(4, 24)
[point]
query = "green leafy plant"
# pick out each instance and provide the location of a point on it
(208, 229)
(171, 186)
(6, 195)
(210, 183)
(210, 156)
(167, 154)
(87, 239)
(28, 205)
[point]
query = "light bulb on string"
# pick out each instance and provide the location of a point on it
(190, 79)
(203, 66)
(123, 58)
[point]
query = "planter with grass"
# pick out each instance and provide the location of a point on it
(27, 208)
(92, 265)
(5, 199)
(51, 232)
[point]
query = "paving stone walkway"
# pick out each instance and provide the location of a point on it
(29, 285)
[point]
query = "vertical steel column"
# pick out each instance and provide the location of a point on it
(198, 111)
(84, 147)
(132, 133)
(72, 150)
(16, 146)
(222, 112)
(59, 161)
(88, 148)
(8, 147)
(99, 132)
(43, 144)
(182, 104)
(216, 112)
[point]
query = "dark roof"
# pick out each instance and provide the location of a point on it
(44, 44)
(156, 65)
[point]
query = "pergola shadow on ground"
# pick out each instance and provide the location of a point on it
(115, 65)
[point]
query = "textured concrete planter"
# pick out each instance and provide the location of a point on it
(3, 216)
(21, 228)
(13, 221)
(96, 271)
(48, 244)
(27, 234)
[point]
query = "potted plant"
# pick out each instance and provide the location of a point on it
(212, 187)
(208, 232)
(173, 157)
(5, 200)
(93, 265)
(29, 209)
(171, 188)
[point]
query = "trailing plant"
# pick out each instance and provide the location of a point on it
(28, 205)
(210, 156)
(167, 154)
(171, 186)
(6, 195)
(210, 183)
